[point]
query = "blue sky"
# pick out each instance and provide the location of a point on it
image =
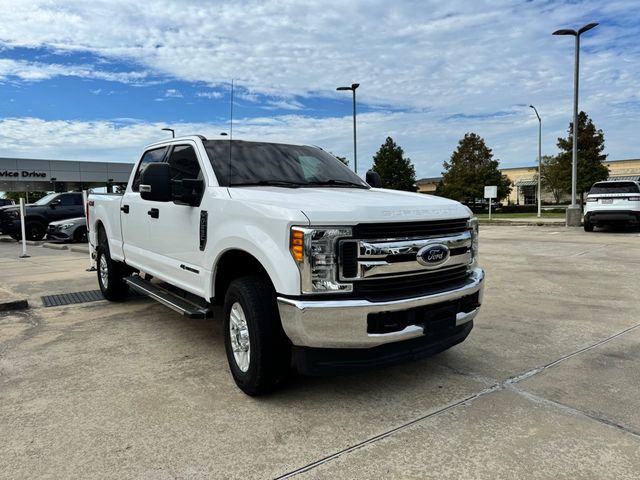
(98, 80)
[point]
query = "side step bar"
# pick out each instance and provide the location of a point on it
(170, 299)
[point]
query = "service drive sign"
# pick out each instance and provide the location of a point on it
(491, 191)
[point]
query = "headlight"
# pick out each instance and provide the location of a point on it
(475, 230)
(64, 226)
(315, 251)
(13, 214)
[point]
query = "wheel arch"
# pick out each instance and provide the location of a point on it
(232, 264)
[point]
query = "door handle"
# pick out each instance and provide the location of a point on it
(154, 213)
(125, 208)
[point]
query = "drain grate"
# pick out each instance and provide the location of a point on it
(71, 298)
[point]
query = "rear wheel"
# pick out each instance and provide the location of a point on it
(588, 226)
(258, 351)
(34, 230)
(111, 275)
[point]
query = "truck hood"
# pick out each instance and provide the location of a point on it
(349, 206)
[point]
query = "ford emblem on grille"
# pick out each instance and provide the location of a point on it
(433, 255)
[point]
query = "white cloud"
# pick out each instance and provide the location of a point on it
(37, 72)
(173, 93)
(211, 94)
(453, 65)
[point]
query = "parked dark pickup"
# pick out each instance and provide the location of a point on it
(55, 206)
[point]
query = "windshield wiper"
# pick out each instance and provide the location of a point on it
(336, 183)
(267, 183)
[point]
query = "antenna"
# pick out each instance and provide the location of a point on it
(230, 135)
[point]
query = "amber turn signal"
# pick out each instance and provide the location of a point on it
(297, 245)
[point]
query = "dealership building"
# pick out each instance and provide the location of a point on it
(36, 175)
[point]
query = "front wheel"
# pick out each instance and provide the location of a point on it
(34, 230)
(80, 235)
(258, 351)
(111, 275)
(588, 226)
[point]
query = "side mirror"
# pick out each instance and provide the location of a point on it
(188, 191)
(373, 179)
(54, 203)
(155, 182)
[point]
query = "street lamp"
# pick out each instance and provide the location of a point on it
(573, 212)
(173, 132)
(539, 162)
(355, 148)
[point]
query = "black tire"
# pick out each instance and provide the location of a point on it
(34, 230)
(588, 226)
(111, 275)
(269, 352)
(80, 235)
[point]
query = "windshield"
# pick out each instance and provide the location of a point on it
(275, 164)
(46, 199)
(614, 187)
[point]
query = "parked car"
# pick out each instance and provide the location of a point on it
(52, 207)
(612, 202)
(312, 265)
(71, 230)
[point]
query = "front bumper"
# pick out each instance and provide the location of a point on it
(345, 323)
(10, 227)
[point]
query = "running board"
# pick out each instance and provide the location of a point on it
(170, 299)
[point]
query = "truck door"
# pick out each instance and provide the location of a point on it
(135, 214)
(174, 236)
(67, 205)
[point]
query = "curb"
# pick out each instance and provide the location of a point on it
(80, 249)
(527, 224)
(55, 246)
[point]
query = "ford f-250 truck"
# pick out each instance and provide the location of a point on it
(314, 268)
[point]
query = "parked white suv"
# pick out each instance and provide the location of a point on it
(612, 202)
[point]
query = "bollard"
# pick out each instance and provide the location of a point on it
(24, 238)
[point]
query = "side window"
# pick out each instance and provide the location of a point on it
(66, 200)
(150, 156)
(184, 164)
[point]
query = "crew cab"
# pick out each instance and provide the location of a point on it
(51, 207)
(313, 267)
(612, 202)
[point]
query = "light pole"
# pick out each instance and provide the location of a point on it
(539, 162)
(574, 212)
(173, 132)
(355, 148)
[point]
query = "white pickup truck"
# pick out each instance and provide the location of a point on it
(314, 268)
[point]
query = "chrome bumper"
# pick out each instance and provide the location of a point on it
(343, 323)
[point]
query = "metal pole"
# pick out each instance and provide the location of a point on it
(355, 147)
(574, 162)
(22, 230)
(539, 167)
(490, 208)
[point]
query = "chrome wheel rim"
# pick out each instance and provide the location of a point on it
(104, 271)
(239, 334)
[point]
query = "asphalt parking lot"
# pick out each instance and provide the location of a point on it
(546, 386)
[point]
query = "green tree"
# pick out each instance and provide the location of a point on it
(396, 171)
(470, 169)
(590, 167)
(554, 176)
(32, 196)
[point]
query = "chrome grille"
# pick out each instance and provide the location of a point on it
(387, 265)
